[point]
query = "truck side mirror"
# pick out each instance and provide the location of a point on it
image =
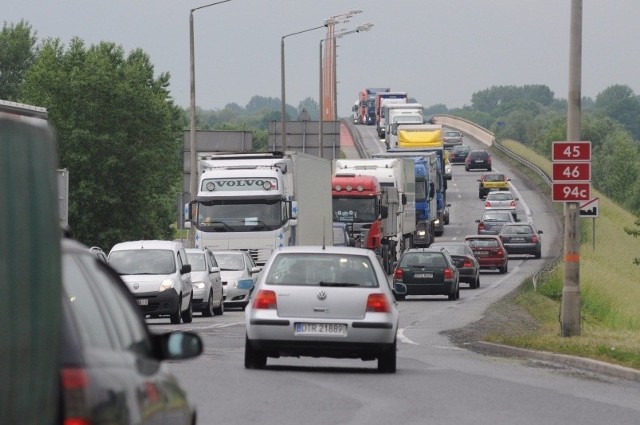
(384, 211)
(293, 209)
(404, 199)
(432, 190)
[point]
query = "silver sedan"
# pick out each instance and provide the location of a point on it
(322, 302)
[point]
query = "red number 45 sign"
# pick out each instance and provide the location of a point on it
(571, 151)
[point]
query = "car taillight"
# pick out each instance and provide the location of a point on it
(489, 160)
(74, 382)
(487, 204)
(534, 238)
(467, 263)
(377, 303)
(265, 299)
(513, 204)
(481, 226)
(500, 253)
(398, 274)
(448, 273)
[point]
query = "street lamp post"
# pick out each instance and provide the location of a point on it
(330, 22)
(360, 28)
(193, 176)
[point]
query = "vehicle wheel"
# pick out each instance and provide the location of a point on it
(208, 310)
(538, 254)
(253, 359)
(220, 310)
(477, 281)
(480, 195)
(489, 169)
(504, 269)
(452, 296)
(187, 316)
(387, 360)
(175, 316)
(466, 168)
(399, 297)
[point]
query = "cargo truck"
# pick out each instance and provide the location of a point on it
(387, 98)
(397, 114)
(370, 212)
(259, 202)
(397, 173)
(368, 104)
(422, 139)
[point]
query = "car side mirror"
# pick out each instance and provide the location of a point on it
(214, 270)
(186, 268)
(178, 345)
(256, 269)
(245, 284)
(399, 288)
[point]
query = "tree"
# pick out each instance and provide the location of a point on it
(312, 107)
(17, 52)
(620, 103)
(635, 233)
(119, 134)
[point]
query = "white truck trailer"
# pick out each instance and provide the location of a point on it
(390, 172)
(259, 202)
(401, 114)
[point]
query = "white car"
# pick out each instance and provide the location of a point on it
(502, 200)
(322, 302)
(158, 275)
(207, 283)
(234, 266)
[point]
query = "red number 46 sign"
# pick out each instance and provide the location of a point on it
(571, 151)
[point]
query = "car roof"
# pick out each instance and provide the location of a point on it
(482, 237)
(329, 249)
(147, 244)
(194, 250)
(423, 250)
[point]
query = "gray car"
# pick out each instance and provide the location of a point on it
(521, 238)
(234, 266)
(322, 302)
(207, 284)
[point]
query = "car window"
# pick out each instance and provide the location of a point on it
(514, 230)
(483, 243)
(230, 261)
(327, 269)
(453, 249)
(143, 261)
(120, 311)
(85, 307)
(498, 196)
(197, 261)
(212, 259)
(423, 259)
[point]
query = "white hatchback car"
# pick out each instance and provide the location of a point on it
(502, 200)
(322, 302)
(234, 266)
(207, 284)
(158, 274)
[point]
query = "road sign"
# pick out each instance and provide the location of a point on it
(571, 192)
(590, 209)
(571, 171)
(571, 151)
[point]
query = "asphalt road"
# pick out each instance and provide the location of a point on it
(436, 382)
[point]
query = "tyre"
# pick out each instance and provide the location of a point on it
(480, 195)
(187, 315)
(489, 169)
(175, 316)
(219, 311)
(207, 311)
(399, 297)
(253, 359)
(538, 254)
(387, 360)
(477, 282)
(466, 168)
(504, 269)
(455, 294)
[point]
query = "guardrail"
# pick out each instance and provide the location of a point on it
(467, 127)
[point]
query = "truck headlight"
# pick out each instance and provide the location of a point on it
(437, 221)
(166, 284)
(421, 233)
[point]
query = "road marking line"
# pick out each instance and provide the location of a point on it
(403, 338)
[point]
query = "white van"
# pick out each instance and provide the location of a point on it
(158, 274)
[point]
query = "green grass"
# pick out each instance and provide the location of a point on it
(609, 285)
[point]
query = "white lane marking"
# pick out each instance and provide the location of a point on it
(403, 338)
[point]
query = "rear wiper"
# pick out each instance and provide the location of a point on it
(339, 284)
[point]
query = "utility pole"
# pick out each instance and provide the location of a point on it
(570, 310)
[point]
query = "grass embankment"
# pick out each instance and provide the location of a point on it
(610, 290)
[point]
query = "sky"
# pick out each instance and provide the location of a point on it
(438, 51)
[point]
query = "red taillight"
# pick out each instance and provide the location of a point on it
(534, 238)
(513, 204)
(74, 382)
(448, 273)
(481, 226)
(500, 253)
(377, 303)
(265, 299)
(467, 263)
(487, 204)
(398, 274)
(489, 160)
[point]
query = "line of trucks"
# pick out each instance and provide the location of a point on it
(260, 202)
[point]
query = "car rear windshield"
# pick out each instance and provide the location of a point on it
(483, 243)
(453, 249)
(197, 262)
(494, 178)
(498, 196)
(517, 230)
(423, 259)
(229, 261)
(311, 269)
(143, 261)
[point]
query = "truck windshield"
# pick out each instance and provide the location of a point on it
(354, 210)
(421, 190)
(243, 215)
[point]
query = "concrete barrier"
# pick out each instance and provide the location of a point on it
(467, 127)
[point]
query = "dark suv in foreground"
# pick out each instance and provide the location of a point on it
(112, 368)
(478, 159)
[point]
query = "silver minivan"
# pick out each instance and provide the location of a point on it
(158, 274)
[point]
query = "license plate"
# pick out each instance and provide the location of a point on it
(143, 301)
(482, 252)
(423, 275)
(479, 161)
(517, 239)
(325, 329)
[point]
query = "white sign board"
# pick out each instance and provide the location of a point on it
(590, 208)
